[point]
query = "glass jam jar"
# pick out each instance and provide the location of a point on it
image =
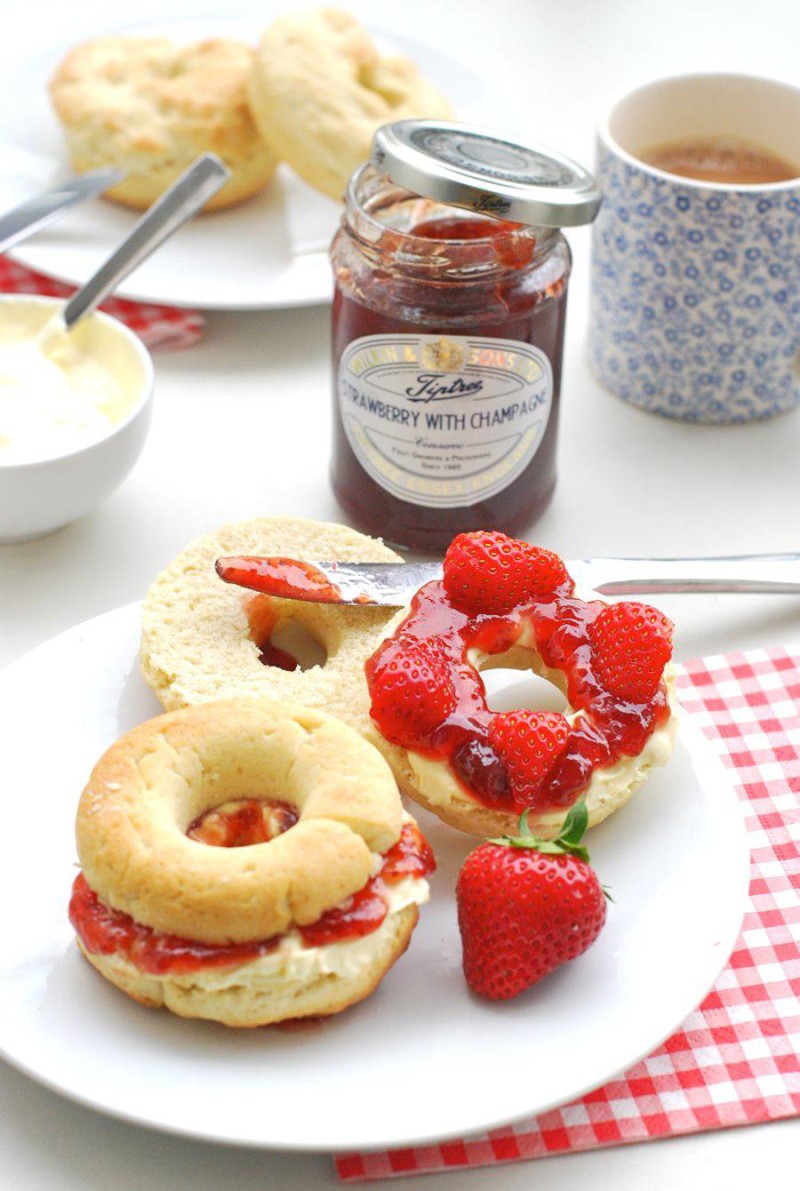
(448, 329)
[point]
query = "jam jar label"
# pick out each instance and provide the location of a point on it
(444, 421)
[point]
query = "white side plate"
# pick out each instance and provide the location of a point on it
(420, 1059)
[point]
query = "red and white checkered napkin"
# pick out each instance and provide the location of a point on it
(736, 1059)
(161, 328)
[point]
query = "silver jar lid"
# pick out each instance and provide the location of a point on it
(464, 165)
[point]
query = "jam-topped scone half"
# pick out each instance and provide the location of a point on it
(247, 863)
(503, 603)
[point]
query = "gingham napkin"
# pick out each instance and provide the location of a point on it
(162, 328)
(736, 1060)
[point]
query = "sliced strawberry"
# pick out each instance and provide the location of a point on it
(412, 694)
(631, 645)
(525, 907)
(530, 745)
(492, 573)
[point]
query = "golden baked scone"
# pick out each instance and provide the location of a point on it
(248, 934)
(319, 89)
(151, 107)
(478, 769)
(202, 638)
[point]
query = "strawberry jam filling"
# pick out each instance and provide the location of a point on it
(104, 931)
(456, 728)
(244, 822)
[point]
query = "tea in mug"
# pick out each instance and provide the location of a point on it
(720, 159)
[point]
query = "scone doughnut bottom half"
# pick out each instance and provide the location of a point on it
(270, 991)
(201, 638)
(137, 858)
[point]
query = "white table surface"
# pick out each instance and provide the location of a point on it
(242, 428)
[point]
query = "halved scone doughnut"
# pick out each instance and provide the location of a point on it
(203, 639)
(507, 604)
(303, 921)
(319, 89)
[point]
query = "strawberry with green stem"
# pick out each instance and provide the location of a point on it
(526, 906)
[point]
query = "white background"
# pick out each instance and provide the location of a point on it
(241, 428)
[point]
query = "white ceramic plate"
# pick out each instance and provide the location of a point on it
(421, 1058)
(270, 252)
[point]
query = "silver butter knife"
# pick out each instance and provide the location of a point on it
(43, 209)
(392, 585)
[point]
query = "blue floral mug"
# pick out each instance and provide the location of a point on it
(695, 285)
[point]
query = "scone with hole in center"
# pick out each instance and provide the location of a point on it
(246, 862)
(151, 107)
(203, 639)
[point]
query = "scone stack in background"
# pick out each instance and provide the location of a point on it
(150, 108)
(319, 90)
(311, 94)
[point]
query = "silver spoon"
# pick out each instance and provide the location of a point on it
(175, 207)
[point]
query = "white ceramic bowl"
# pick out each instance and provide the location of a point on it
(41, 496)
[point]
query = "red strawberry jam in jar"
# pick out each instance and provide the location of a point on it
(449, 305)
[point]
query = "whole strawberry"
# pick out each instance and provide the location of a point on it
(526, 906)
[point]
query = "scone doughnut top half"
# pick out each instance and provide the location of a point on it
(148, 789)
(507, 604)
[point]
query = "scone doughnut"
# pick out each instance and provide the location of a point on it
(506, 604)
(151, 107)
(245, 935)
(202, 639)
(319, 89)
